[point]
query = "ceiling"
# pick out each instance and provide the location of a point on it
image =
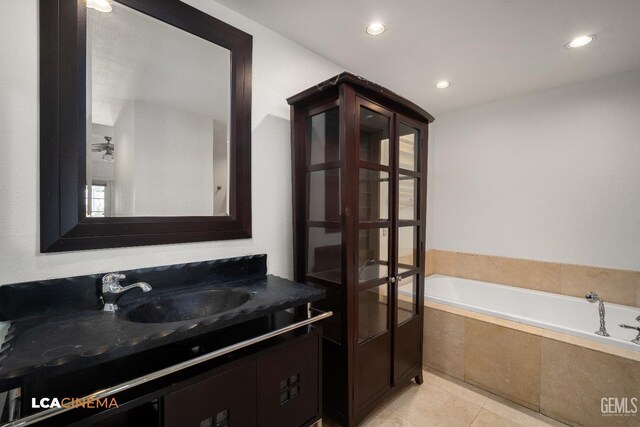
(135, 58)
(488, 49)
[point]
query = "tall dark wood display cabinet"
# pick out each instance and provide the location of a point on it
(359, 155)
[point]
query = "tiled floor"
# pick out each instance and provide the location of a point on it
(443, 401)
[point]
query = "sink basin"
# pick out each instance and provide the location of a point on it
(188, 306)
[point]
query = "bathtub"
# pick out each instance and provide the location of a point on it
(536, 349)
(565, 314)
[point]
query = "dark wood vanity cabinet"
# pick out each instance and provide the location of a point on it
(273, 383)
(288, 385)
(359, 161)
(228, 398)
(279, 388)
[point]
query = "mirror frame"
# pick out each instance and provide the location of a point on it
(63, 222)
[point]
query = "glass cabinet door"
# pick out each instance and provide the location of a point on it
(323, 207)
(374, 250)
(408, 173)
(374, 225)
(323, 212)
(407, 228)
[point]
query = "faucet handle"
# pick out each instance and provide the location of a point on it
(111, 281)
(636, 340)
(592, 296)
(113, 277)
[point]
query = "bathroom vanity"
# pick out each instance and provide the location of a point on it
(359, 155)
(171, 356)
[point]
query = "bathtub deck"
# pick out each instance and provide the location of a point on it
(447, 402)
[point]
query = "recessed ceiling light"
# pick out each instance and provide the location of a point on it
(443, 84)
(99, 5)
(376, 28)
(580, 41)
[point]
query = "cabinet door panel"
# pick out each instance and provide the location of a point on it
(372, 370)
(228, 398)
(288, 386)
(407, 351)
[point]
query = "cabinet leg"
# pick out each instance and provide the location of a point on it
(418, 378)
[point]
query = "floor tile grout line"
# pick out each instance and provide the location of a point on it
(503, 417)
(456, 396)
(462, 387)
(524, 413)
(474, 418)
(486, 401)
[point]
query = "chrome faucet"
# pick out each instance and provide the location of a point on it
(593, 297)
(636, 340)
(112, 290)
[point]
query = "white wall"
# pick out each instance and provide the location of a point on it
(552, 176)
(220, 176)
(280, 68)
(102, 171)
(125, 162)
(172, 178)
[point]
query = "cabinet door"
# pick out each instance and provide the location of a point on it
(288, 385)
(408, 225)
(322, 173)
(374, 244)
(226, 399)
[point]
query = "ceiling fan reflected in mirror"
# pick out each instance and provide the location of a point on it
(107, 147)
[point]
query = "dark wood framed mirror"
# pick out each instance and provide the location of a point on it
(113, 72)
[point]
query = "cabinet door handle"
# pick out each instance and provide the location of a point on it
(392, 280)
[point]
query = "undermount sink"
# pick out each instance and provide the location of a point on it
(188, 306)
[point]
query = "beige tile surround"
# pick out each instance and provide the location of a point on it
(614, 286)
(560, 376)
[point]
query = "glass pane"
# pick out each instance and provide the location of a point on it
(325, 257)
(372, 312)
(323, 137)
(331, 326)
(97, 191)
(374, 137)
(408, 197)
(98, 205)
(373, 254)
(324, 195)
(407, 292)
(407, 248)
(374, 195)
(409, 155)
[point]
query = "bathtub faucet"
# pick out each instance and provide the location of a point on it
(593, 297)
(636, 340)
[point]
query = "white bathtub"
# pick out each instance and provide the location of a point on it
(570, 315)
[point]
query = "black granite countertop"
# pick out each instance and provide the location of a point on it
(38, 347)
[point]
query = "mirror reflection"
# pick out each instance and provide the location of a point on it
(158, 114)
